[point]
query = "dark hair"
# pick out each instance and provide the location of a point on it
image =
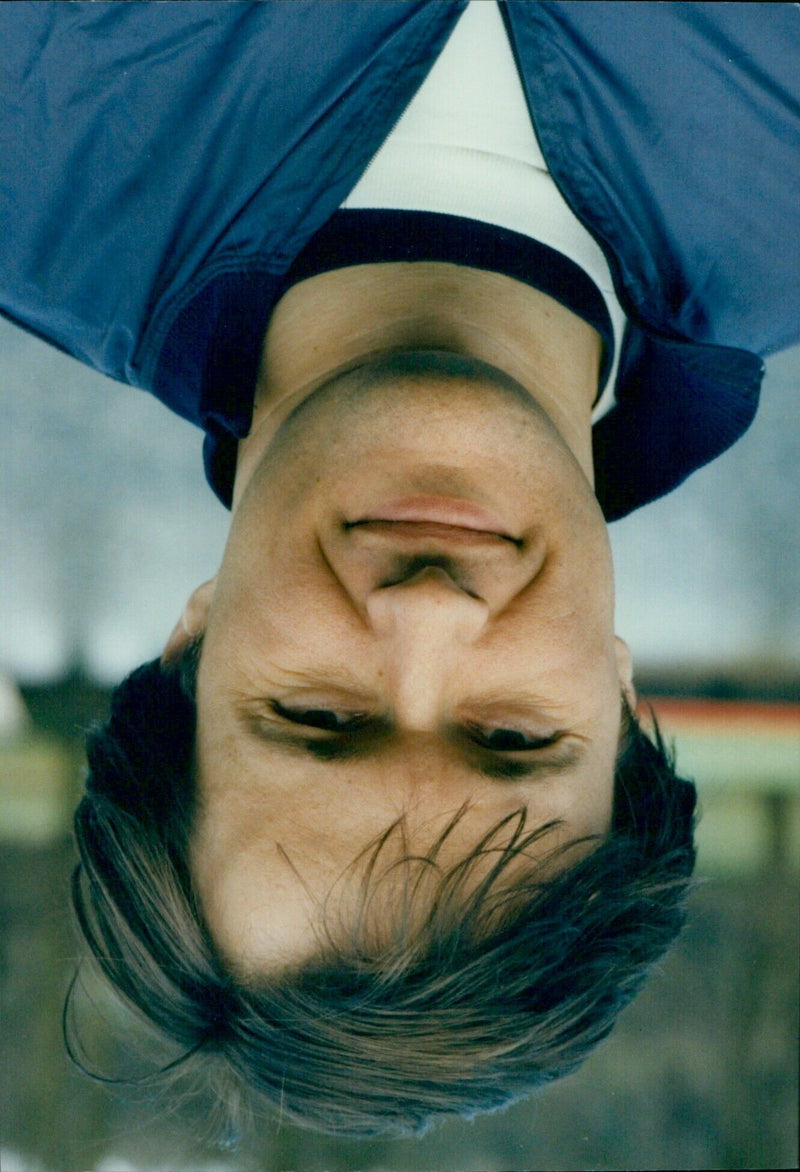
(497, 988)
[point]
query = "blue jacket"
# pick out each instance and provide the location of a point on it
(163, 164)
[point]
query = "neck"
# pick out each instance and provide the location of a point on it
(336, 320)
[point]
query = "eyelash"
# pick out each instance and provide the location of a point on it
(333, 722)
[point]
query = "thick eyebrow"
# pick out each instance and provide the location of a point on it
(539, 763)
(366, 740)
(348, 746)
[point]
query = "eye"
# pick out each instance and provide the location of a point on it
(322, 718)
(510, 740)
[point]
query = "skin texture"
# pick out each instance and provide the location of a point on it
(358, 668)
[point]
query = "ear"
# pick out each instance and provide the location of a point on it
(625, 671)
(191, 623)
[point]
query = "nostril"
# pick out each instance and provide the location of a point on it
(406, 569)
(433, 567)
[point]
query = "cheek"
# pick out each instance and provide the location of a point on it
(252, 621)
(569, 604)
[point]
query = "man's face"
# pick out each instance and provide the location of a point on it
(414, 611)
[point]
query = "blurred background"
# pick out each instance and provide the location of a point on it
(106, 524)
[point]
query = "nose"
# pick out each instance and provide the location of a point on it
(424, 624)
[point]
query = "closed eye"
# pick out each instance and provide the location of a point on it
(331, 735)
(496, 740)
(325, 719)
(510, 740)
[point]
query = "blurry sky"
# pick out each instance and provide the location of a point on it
(106, 524)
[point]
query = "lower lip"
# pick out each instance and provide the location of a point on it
(456, 514)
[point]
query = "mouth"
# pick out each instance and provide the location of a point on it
(434, 519)
(429, 531)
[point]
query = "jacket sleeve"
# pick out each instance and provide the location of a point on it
(147, 149)
(673, 132)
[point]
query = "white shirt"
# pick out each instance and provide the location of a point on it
(465, 146)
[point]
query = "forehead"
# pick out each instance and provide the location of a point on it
(277, 903)
(277, 842)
